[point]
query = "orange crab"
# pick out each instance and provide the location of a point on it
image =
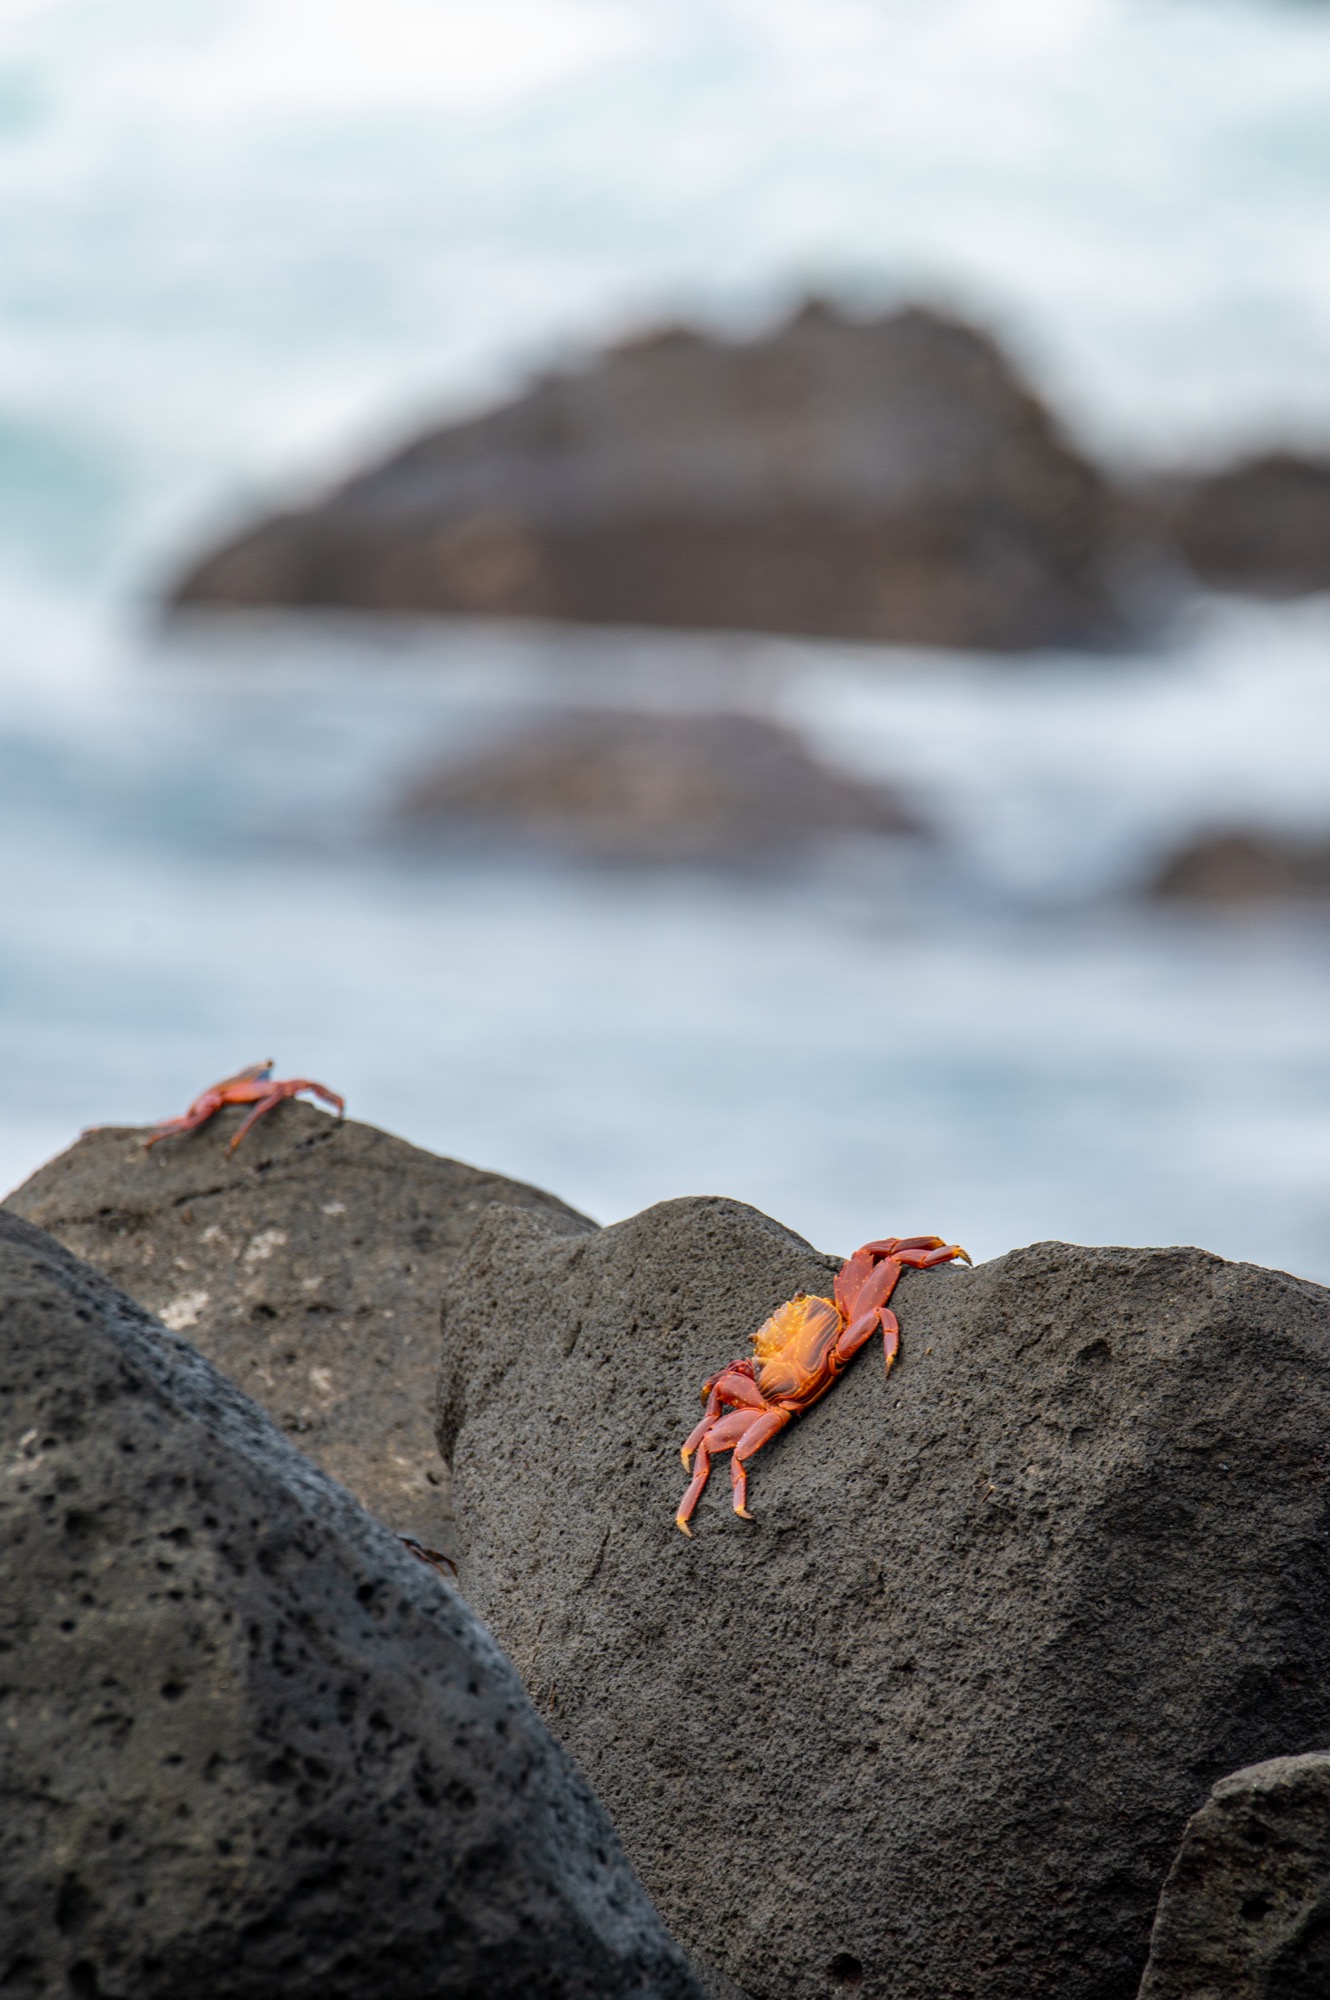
(797, 1355)
(254, 1086)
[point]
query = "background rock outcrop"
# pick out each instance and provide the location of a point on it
(890, 479)
(1245, 1914)
(308, 1265)
(643, 788)
(1243, 865)
(932, 1724)
(249, 1745)
(1261, 525)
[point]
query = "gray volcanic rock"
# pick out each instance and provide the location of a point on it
(931, 1725)
(1245, 1913)
(1242, 865)
(308, 1265)
(653, 788)
(250, 1746)
(889, 479)
(1261, 525)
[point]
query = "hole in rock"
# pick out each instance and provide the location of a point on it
(73, 1906)
(846, 1969)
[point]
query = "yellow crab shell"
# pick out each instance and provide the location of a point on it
(791, 1348)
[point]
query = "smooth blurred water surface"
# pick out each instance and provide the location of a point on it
(238, 240)
(994, 1038)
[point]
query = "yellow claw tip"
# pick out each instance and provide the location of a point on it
(683, 1526)
(687, 1458)
(965, 1256)
(743, 1513)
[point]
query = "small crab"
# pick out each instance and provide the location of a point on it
(254, 1086)
(797, 1355)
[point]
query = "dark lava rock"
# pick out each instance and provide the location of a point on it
(250, 1746)
(1245, 1913)
(308, 1265)
(1262, 525)
(889, 479)
(653, 788)
(931, 1725)
(1243, 866)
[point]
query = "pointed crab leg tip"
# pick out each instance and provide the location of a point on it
(687, 1458)
(965, 1256)
(743, 1513)
(683, 1526)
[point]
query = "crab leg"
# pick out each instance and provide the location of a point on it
(726, 1431)
(732, 1430)
(200, 1111)
(321, 1090)
(278, 1096)
(694, 1490)
(210, 1101)
(264, 1104)
(753, 1439)
(734, 1385)
(925, 1260)
(863, 1329)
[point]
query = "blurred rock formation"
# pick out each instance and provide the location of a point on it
(886, 479)
(1261, 525)
(1241, 865)
(642, 788)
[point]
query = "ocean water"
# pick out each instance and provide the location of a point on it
(240, 242)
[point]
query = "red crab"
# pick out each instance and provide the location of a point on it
(797, 1355)
(250, 1086)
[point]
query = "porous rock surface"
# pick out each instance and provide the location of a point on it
(248, 1745)
(931, 1725)
(889, 478)
(1245, 1913)
(308, 1265)
(636, 787)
